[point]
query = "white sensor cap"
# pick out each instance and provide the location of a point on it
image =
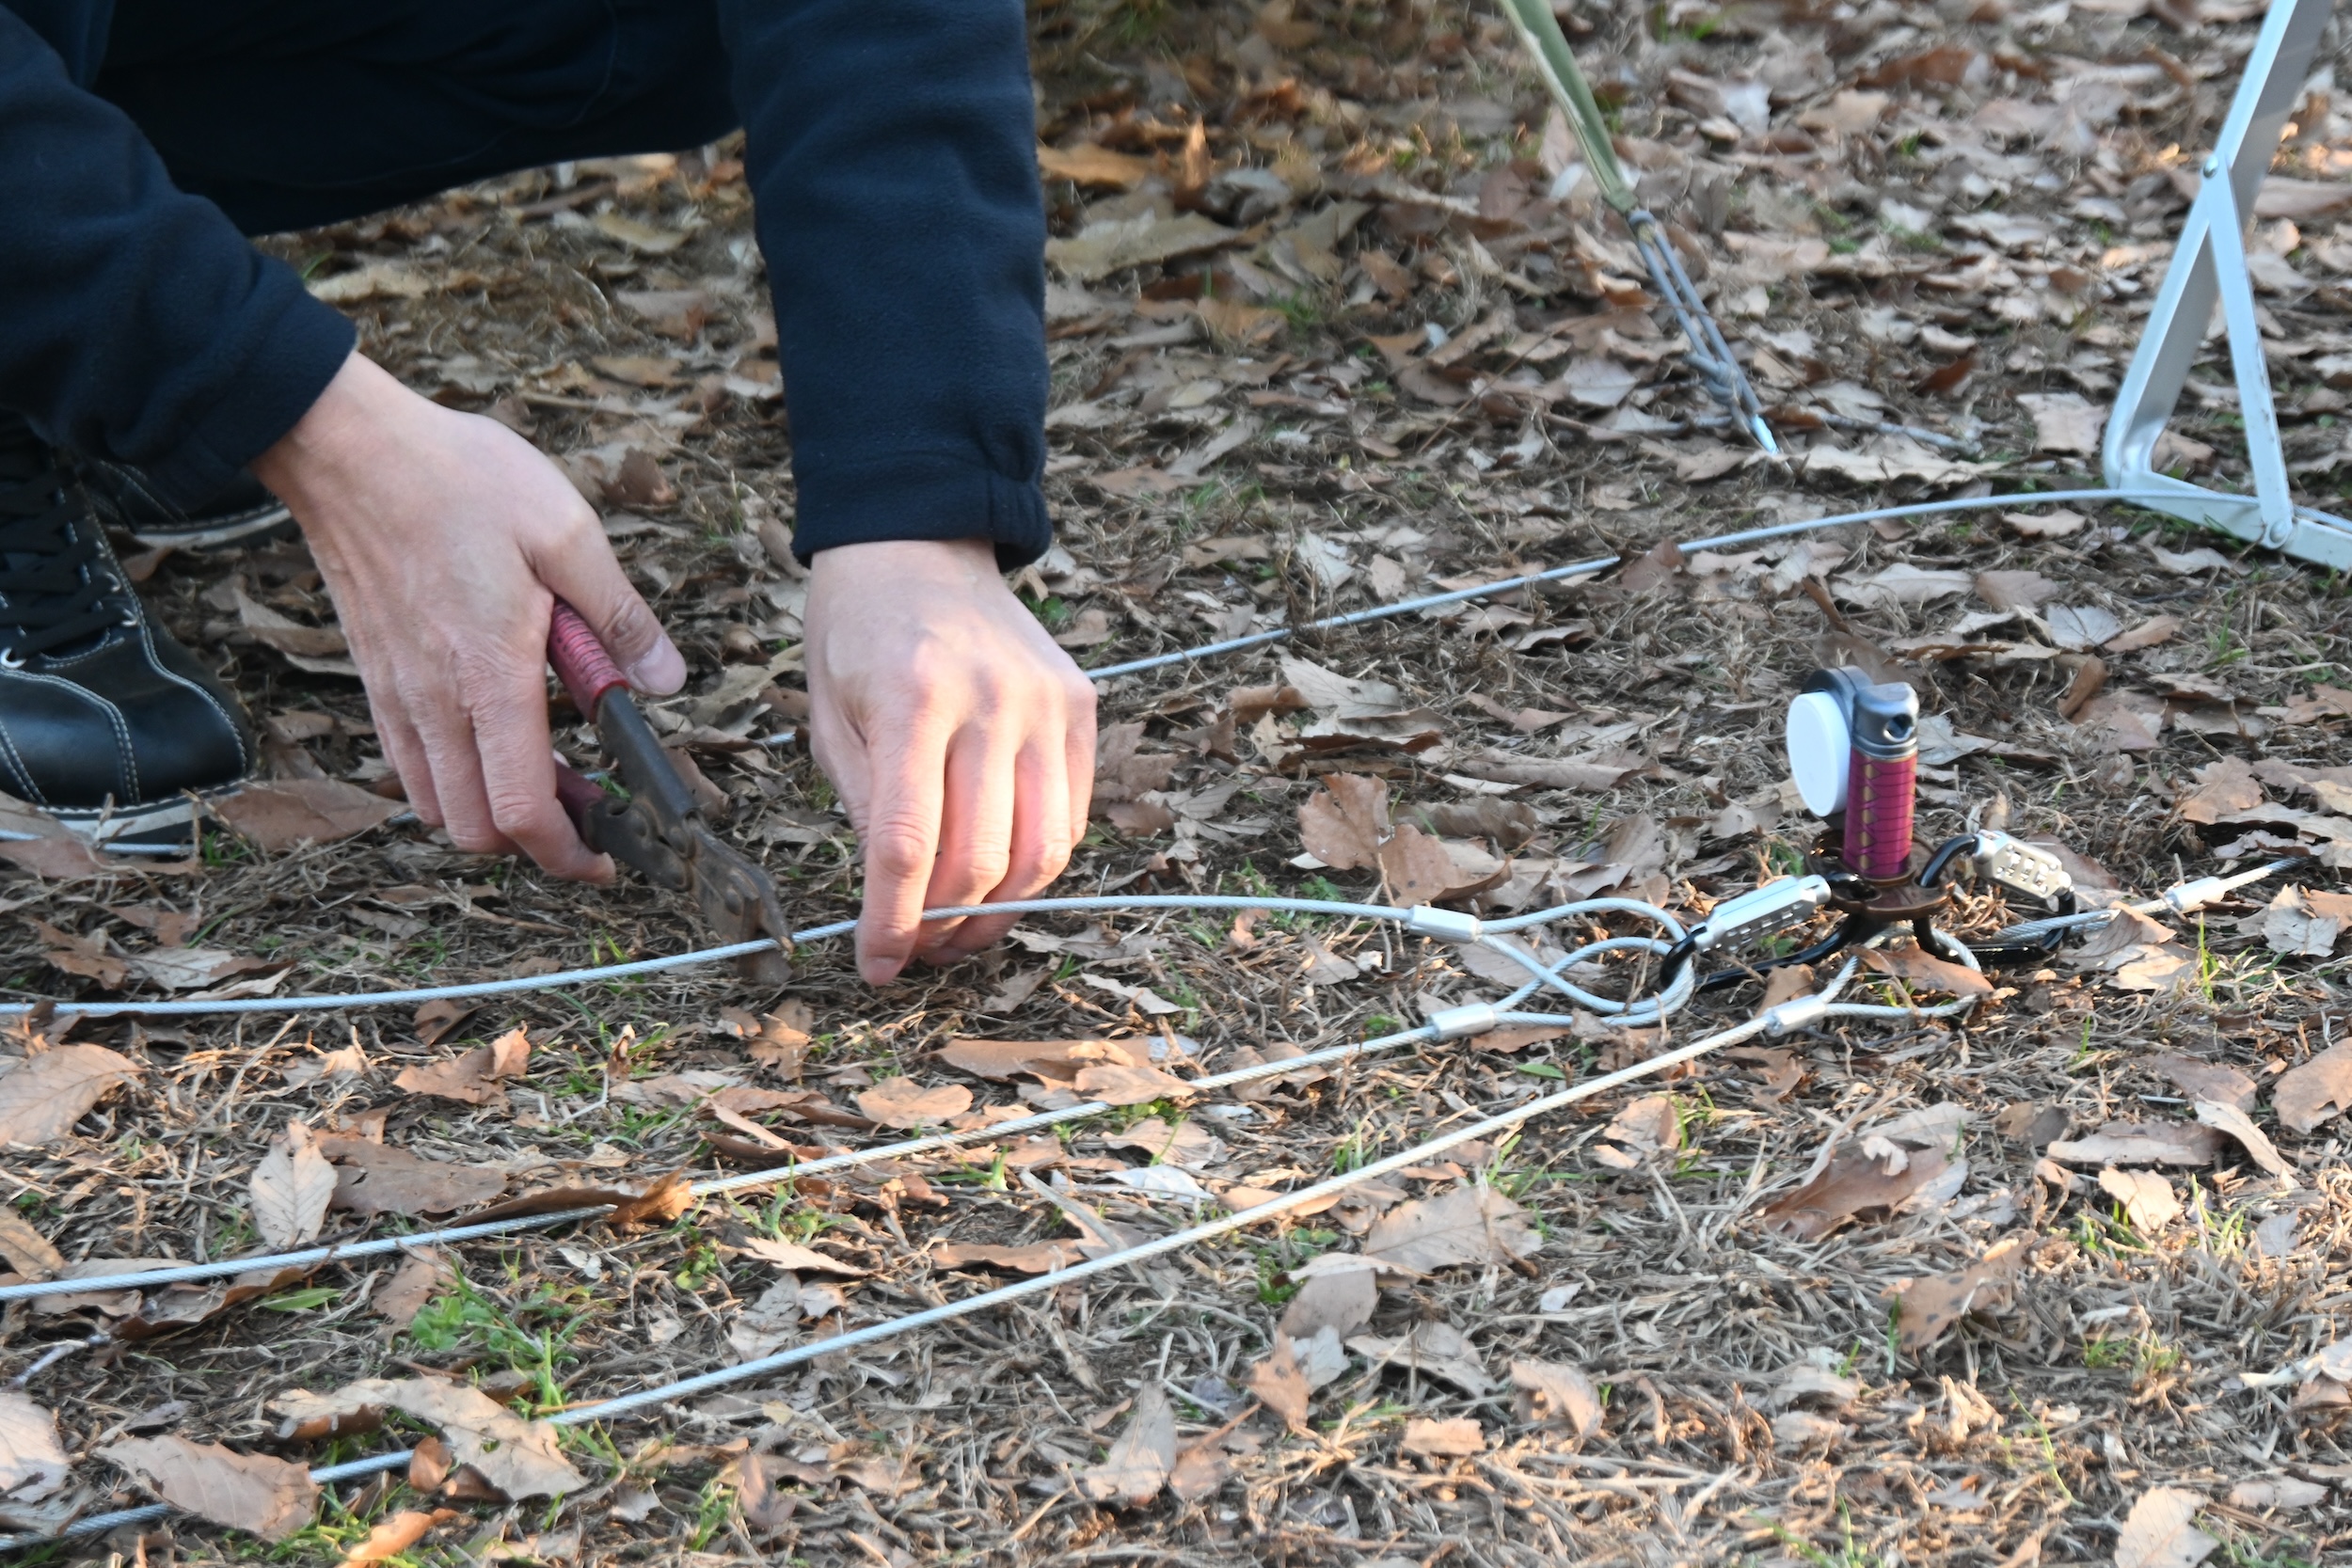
(1820, 751)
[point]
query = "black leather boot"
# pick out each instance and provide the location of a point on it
(124, 502)
(105, 720)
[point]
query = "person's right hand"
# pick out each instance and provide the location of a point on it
(443, 538)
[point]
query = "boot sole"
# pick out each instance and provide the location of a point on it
(212, 536)
(163, 827)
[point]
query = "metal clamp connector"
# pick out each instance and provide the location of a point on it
(1427, 919)
(1453, 1024)
(2191, 897)
(1797, 1013)
(2021, 868)
(1760, 911)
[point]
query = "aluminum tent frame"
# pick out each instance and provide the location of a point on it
(2210, 264)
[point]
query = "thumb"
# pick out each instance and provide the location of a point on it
(591, 581)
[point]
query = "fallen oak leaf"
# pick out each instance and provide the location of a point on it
(1555, 1393)
(287, 812)
(1116, 1084)
(29, 1252)
(1139, 1463)
(2304, 1096)
(2149, 1201)
(1856, 1180)
(662, 1200)
(251, 1492)
(1051, 1061)
(473, 1078)
(801, 1260)
(1037, 1258)
(2239, 1125)
(291, 1187)
(2140, 1143)
(1345, 822)
(1469, 1225)
(1913, 966)
(89, 956)
(2158, 1531)
(1930, 1306)
(903, 1103)
(1453, 1437)
(32, 1463)
(520, 1458)
(376, 1178)
(1281, 1386)
(42, 1099)
(396, 1535)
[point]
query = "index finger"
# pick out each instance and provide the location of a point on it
(519, 777)
(908, 778)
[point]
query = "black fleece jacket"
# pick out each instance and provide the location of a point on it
(892, 157)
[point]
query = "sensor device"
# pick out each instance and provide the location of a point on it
(1878, 728)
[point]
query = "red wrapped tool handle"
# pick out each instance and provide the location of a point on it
(587, 671)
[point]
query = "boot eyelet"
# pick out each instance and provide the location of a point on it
(11, 659)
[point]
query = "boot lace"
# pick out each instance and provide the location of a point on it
(57, 585)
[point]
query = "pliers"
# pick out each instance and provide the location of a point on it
(659, 827)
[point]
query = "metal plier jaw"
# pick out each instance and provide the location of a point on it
(660, 830)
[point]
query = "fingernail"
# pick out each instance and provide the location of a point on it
(661, 671)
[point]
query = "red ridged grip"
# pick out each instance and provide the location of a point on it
(1879, 806)
(587, 670)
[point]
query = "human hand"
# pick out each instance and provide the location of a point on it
(443, 538)
(960, 738)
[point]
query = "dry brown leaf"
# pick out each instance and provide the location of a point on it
(1200, 1469)
(2148, 1199)
(2237, 1124)
(420, 1276)
(1345, 823)
(2258, 1496)
(1088, 165)
(2155, 629)
(254, 1493)
(291, 1187)
(394, 1534)
(1648, 1127)
(473, 1078)
(376, 1178)
(679, 314)
(1453, 1437)
(1856, 1180)
(1916, 966)
(1137, 1465)
(520, 1458)
(658, 1202)
(42, 1099)
(903, 1103)
(2141, 1143)
(1553, 1393)
(1037, 1258)
(768, 1508)
(1342, 1300)
(1281, 1386)
(791, 1255)
(1050, 1061)
(439, 1016)
(1115, 1084)
(2064, 421)
(1936, 1303)
(1420, 869)
(2225, 1085)
(2300, 924)
(27, 1251)
(2303, 1097)
(1432, 1349)
(2222, 787)
(289, 812)
(1473, 1224)
(32, 1463)
(2158, 1531)
(90, 957)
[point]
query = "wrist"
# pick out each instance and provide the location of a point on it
(323, 441)
(932, 562)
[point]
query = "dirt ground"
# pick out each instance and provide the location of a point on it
(1331, 328)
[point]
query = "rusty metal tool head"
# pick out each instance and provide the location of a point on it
(658, 829)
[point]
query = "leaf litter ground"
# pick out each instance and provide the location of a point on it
(1334, 324)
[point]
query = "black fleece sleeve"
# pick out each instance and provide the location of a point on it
(135, 323)
(893, 158)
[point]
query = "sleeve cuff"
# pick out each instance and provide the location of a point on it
(266, 396)
(923, 497)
